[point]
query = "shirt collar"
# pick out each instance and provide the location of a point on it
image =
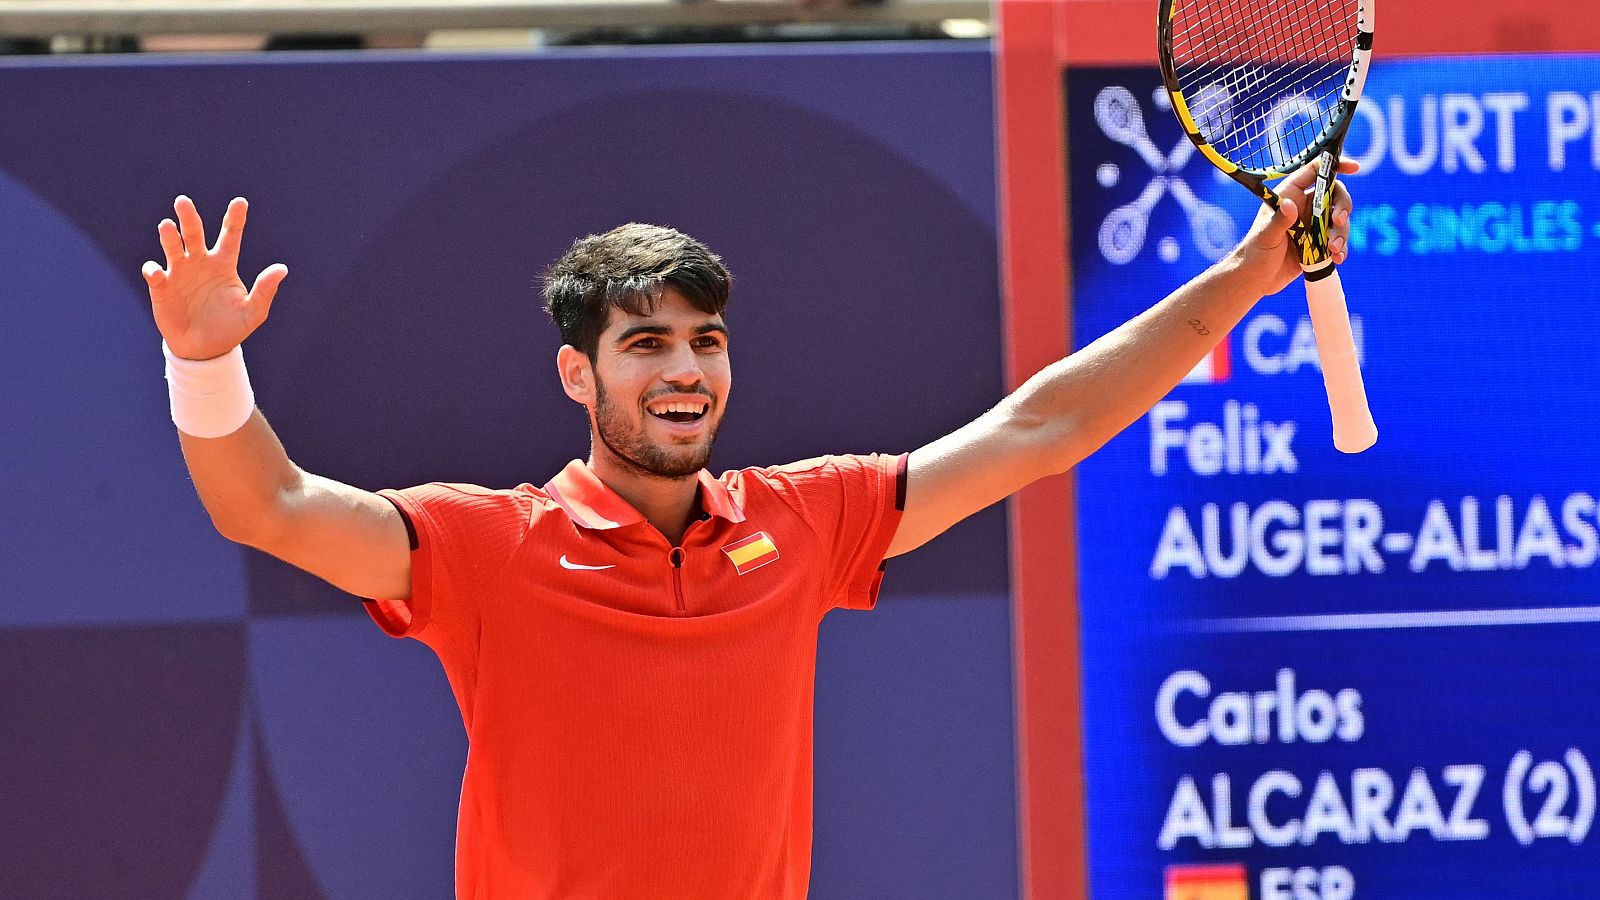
(590, 503)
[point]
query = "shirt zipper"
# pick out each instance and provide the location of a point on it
(675, 556)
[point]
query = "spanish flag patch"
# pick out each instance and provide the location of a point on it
(752, 552)
(1219, 881)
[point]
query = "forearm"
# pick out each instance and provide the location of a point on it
(255, 495)
(1073, 406)
(242, 478)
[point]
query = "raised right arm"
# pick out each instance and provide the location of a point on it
(255, 494)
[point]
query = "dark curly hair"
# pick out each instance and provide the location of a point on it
(626, 268)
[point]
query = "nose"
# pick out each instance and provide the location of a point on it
(683, 367)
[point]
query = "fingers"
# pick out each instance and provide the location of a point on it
(1303, 178)
(265, 289)
(232, 228)
(153, 274)
(171, 243)
(1339, 219)
(1341, 198)
(1299, 181)
(189, 225)
(1339, 242)
(1288, 213)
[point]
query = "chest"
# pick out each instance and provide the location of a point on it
(717, 568)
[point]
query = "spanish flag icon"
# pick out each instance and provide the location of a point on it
(752, 552)
(1220, 881)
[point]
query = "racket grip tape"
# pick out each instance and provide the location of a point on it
(1353, 428)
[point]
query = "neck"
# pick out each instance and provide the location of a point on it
(669, 504)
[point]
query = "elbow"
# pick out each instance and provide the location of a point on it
(234, 531)
(1053, 442)
(253, 519)
(254, 529)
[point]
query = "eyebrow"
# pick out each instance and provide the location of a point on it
(636, 330)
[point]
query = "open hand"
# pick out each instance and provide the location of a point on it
(200, 304)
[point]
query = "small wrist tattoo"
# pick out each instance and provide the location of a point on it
(1198, 327)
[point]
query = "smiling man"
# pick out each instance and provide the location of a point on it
(633, 645)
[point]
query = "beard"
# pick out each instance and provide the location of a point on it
(624, 436)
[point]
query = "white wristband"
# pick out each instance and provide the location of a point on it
(210, 397)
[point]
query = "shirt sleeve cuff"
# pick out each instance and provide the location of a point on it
(862, 591)
(406, 618)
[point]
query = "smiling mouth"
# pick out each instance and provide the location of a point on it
(681, 412)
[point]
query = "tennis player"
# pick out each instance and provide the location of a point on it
(632, 645)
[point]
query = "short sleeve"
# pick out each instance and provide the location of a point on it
(853, 504)
(462, 537)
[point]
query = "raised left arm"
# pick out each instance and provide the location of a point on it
(1073, 406)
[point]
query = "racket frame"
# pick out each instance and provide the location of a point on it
(1312, 238)
(1353, 428)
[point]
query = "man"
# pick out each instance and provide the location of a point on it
(632, 646)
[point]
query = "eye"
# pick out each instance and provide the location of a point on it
(648, 343)
(708, 342)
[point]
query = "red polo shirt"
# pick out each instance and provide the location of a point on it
(638, 714)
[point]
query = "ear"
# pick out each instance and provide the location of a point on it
(577, 374)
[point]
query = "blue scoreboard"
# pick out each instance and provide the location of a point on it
(1311, 675)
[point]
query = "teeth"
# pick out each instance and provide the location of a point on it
(678, 407)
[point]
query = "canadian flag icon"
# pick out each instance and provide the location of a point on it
(1214, 368)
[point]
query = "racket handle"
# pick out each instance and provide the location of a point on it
(1353, 428)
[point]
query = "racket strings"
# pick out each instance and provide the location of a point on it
(1266, 121)
(1278, 131)
(1221, 30)
(1263, 78)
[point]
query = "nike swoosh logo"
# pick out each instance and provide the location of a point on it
(568, 564)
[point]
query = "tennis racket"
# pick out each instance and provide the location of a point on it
(1264, 87)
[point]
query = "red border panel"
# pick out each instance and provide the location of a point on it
(1123, 32)
(1033, 245)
